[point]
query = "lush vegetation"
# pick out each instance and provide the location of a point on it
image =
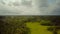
(13, 25)
(17, 24)
(53, 21)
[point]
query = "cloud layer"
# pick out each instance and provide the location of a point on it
(31, 7)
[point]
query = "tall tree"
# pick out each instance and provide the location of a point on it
(13, 25)
(53, 21)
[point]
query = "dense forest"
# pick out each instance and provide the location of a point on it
(17, 24)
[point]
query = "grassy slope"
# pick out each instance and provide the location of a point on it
(36, 28)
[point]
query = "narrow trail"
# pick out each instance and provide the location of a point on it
(37, 29)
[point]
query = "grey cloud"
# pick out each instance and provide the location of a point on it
(46, 9)
(39, 7)
(55, 9)
(5, 10)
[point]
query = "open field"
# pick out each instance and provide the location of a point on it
(36, 28)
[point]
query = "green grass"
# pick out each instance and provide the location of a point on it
(36, 28)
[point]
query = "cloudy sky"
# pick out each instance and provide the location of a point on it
(29, 7)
